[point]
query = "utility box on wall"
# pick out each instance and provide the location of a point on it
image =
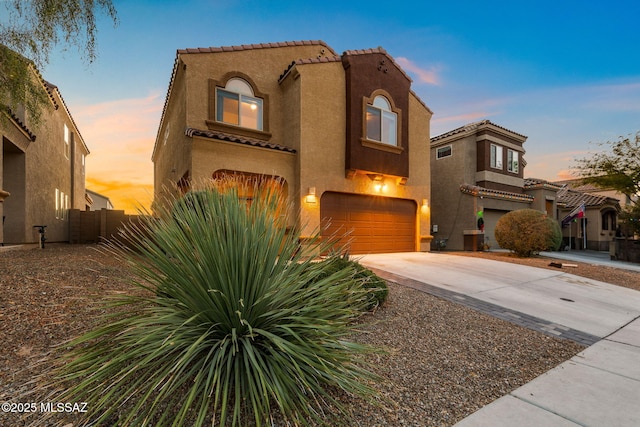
(473, 240)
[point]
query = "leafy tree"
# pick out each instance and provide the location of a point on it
(236, 324)
(527, 232)
(617, 169)
(29, 31)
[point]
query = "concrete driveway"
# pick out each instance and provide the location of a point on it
(586, 305)
(597, 387)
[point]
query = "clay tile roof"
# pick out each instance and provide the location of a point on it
(579, 185)
(191, 132)
(494, 194)
(531, 183)
(53, 88)
(21, 125)
(572, 198)
(255, 46)
(471, 127)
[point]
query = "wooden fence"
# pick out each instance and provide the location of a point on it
(95, 226)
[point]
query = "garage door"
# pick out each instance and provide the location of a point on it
(376, 224)
(491, 217)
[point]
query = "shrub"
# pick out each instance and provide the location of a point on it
(527, 232)
(235, 325)
(377, 287)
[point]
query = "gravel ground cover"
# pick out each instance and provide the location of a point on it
(443, 361)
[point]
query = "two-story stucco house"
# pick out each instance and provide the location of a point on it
(479, 171)
(345, 132)
(42, 171)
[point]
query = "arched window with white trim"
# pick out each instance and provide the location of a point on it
(381, 121)
(237, 105)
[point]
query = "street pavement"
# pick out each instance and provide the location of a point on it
(600, 386)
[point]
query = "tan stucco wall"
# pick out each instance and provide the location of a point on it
(263, 66)
(321, 159)
(172, 156)
(33, 172)
(211, 155)
(306, 111)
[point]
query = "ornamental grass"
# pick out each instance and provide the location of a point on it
(236, 325)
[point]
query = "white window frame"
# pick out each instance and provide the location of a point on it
(57, 203)
(496, 156)
(388, 121)
(241, 90)
(67, 142)
(442, 149)
(513, 164)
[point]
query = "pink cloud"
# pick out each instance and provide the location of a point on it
(429, 76)
(120, 135)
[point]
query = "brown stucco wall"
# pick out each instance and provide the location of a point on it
(366, 74)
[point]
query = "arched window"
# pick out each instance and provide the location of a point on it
(609, 220)
(237, 105)
(382, 122)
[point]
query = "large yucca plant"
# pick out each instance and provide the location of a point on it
(236, 323)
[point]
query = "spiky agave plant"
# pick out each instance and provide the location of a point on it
(236, 325)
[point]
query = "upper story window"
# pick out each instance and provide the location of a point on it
(512, 161)
(67, 142)
(442, 152)
(496, 156)
(237, 105)
(381, 122)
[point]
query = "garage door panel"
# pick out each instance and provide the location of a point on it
(360, 217)
(376, 224)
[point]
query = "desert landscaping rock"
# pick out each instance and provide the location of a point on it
(443, 361)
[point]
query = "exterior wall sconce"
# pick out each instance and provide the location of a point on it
(380, 187)
(424, 207)
(311, 195)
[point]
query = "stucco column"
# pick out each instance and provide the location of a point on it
(3, 195)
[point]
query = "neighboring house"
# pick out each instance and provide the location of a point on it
(96, 201)
(42, 172)
(345, 132)
(578, 208)
(577, 184)
(477, 171)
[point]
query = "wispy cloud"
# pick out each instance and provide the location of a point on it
(429, 75)
(120, 135)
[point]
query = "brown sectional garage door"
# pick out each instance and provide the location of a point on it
(377, 224)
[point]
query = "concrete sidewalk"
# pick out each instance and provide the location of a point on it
(599, 386)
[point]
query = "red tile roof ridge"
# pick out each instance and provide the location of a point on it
(378, 49)
(332, 58)
(191, 132)
(234, 48)
(477, 190)
(473, 126)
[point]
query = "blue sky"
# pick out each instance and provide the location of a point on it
(564, 73)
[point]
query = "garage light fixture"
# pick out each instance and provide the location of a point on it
(425, 206)
(380, 187)
(311, 195)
